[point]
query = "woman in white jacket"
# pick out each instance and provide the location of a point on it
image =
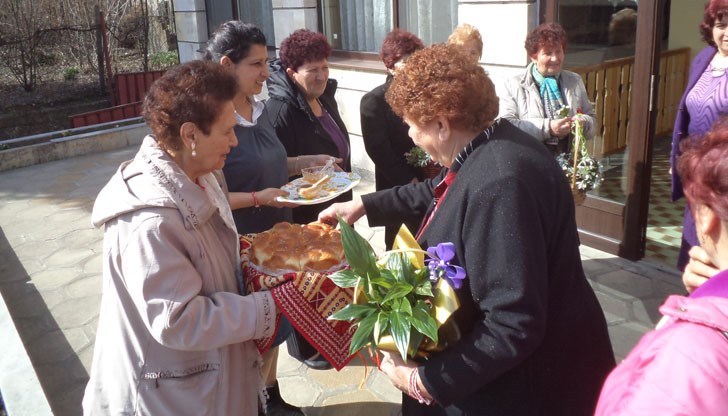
(175, 332)
(533, 100)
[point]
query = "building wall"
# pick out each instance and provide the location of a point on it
(191, 22)
(685, 18)
(289, 15)
(503, 25)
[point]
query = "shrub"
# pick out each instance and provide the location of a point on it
(163, 60)
(69, 74)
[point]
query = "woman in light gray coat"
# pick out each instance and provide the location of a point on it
(533, 100)
(175, 333)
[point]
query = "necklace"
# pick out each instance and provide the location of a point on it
(718, 65)
(248, 110)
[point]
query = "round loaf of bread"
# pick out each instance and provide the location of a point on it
(293, 247)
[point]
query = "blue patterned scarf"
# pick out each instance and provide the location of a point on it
(550, 93)
(550, 96)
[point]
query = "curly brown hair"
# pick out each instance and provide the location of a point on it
(397, 44)
(443, 80)
(192, 92)
(715, 10)
(546, 34)
(303, 46)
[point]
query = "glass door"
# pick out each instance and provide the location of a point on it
(615, 47)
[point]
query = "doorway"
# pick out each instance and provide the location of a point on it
(664, 221)
(616, 46)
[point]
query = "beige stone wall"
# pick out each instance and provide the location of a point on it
(685, 18)
(290, 15)
(503, 26)
(191, 23)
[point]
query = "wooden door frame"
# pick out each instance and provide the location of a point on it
(642, 129)
(628, 227)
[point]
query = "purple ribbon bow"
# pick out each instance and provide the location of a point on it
(441, 268)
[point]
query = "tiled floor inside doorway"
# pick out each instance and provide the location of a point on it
(664, 224)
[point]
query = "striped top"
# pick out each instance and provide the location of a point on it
(707, 101)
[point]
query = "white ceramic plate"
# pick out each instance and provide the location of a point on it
(341, 182)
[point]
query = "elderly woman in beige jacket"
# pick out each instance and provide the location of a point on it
(175, 333)
(533, 100)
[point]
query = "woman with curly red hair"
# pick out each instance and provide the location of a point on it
(533, 100)
(385, 133)
(533, 339)
(681, 368)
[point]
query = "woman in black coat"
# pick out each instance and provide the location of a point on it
(303, 111)
(302, 107)
(533, 338)
(385, 134)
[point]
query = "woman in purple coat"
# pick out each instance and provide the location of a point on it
(704, 101)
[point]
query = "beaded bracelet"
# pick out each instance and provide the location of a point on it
(414, 389)
(255, 201)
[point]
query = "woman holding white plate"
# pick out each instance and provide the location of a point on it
(258, 166)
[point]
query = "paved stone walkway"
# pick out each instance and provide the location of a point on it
(50, 280)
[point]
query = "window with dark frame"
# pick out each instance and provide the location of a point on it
(357, 26)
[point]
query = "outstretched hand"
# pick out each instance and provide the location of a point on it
(268, 197)
(310, 161)
(350, 211)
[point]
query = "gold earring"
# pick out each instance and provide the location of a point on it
(194, 152)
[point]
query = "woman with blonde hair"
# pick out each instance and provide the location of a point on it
(469, 38)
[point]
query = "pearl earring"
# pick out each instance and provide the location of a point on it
(194, 152)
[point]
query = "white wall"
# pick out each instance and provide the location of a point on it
(290, 15)
(503, 26)
(191, 23)
(353, 84)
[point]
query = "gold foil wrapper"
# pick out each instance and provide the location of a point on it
(445, 301)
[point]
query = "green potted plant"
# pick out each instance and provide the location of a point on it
(396, 299)
(419, 158)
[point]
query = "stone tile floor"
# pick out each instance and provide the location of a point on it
(50, 263)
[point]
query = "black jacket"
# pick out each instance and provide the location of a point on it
(535, 340)
(386, 140)
(300, 131)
